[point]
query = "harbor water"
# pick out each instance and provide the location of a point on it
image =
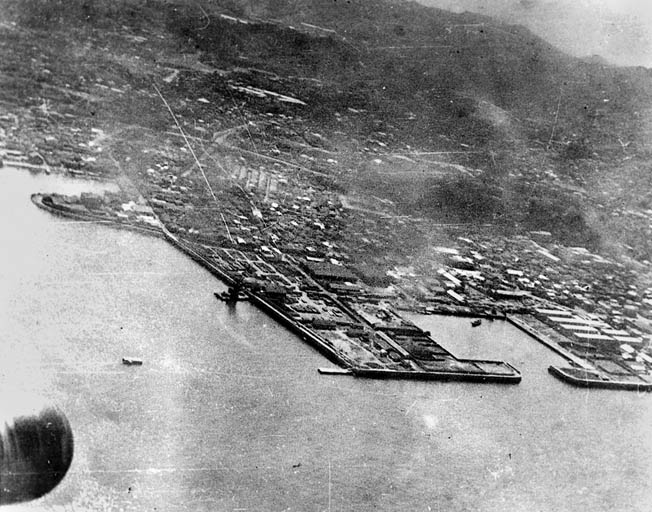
(229, 413)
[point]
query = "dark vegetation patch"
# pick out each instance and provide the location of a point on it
(413, 73)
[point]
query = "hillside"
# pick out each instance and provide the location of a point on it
(400, 57)
(452, 116)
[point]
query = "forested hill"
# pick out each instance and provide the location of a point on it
(492, 80)
(407, 61)
(558, 142)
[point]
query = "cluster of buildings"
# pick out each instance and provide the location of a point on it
(343, 271)
(41, 138)
(280, 237)
(517, 272)
(107, 207)
(265, 211)
(619, 353)
(335, 310)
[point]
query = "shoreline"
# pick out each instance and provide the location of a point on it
(526, 328)
(325, 349)
(307, 335)
(344, 362)
(37, 199)
(595, 381)
(581, 373)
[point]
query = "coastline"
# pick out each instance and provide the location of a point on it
(581, 373)
(37, 199)
(526, 328)
(306, 334)
(581, 378)
(324, 347)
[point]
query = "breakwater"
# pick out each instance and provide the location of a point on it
(589, 379)
(37, 199)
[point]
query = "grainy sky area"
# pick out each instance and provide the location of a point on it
(618, 30)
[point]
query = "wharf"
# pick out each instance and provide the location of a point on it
(493, 371)
(582, 373)
(499, 378)
(37, 199)
(305, 334)
(509, 375)
(334, 371)
(590, 379)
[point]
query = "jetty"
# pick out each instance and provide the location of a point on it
(592, 379)
(446, 367)
(393, 351)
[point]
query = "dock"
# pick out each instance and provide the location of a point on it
(591, 379)
(484, 371)
(447, 368)
(334, 371)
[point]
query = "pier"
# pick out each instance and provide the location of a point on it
(441, 365)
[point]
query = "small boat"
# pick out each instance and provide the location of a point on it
(132, 361)
(476, 322)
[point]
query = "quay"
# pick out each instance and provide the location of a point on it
(38, 200)
(334, 371)
(497, 378)
(509, 375)
(591, 379)
(581, 373)
(322, 345)
(25, 165)
(447, 368)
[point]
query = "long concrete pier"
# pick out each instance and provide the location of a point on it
(509, 376)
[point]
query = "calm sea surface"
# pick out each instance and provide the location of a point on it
(229, 413)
